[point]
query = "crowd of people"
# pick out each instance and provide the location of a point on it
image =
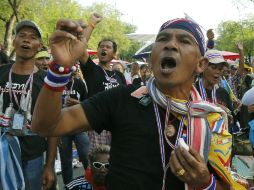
(127, 132)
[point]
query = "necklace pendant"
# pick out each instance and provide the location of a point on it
(170, 130)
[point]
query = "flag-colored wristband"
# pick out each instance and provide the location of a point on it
(57, 76)
(211, 185)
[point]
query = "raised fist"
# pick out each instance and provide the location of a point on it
(68, 42)
(210, 34)
(95, 18)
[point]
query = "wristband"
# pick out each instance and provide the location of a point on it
(58, 76)
(62, 70)
(211, 185)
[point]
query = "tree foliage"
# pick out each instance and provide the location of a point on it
(112, 27)
(46, 12)
(230, 32)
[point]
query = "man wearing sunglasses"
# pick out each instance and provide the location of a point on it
(95, 174)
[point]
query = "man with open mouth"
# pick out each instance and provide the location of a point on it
(22, 152)
(99, 78)
(147, 123)
(208, 83)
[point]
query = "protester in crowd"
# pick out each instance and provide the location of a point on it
(145, 74)
(74, 93)
(226, 71)
(4, 59)
(95, 174)
(42, 59)
(22, 162)
(241, 82)
(225, 81)
(118, 67)
(233, 70)
(134, 71)
(208, 83)
(144, 151)
(237, 78)
(101, 77)
(210, 42)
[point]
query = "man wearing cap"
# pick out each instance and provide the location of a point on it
(42, 59)
(21, 154)
(208, 83)
(101, 77)
(148, 123)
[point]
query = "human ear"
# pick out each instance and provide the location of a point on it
(40, 47)
(202, 65)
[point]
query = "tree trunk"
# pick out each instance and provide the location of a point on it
(8, 34)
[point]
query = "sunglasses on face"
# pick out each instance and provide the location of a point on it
(98, 165)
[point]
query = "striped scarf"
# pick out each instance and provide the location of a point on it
(196, 111)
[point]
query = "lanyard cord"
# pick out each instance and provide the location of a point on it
(203, 92)
(110, 79)
(161, 141)
(23, 92)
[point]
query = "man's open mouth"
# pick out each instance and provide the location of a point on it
(168, 63)
(103, 53)
(26, 47)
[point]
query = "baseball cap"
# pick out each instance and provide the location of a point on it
(28, 23)
(214, 56)
(41, 54)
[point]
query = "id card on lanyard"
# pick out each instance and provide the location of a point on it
(19, 119)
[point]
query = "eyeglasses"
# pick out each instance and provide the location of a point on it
(98, 165)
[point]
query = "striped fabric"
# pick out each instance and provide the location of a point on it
(79, 183)
(10, 163)
(212, 140)
(198, 111)
(214, 55)
(189, 26)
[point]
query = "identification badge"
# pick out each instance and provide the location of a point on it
(145, 100)
(18, 121)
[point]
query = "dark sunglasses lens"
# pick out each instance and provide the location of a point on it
(107, 165)
(97, 165)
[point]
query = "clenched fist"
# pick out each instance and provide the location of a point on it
(68, 42)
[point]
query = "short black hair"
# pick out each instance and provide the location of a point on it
(110, 40)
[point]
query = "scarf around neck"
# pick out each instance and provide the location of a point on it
(196, 112)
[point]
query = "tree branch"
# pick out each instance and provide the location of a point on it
(3, 19)
(15, 7)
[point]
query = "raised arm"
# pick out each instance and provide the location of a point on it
(67, 44)
(94, 19)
